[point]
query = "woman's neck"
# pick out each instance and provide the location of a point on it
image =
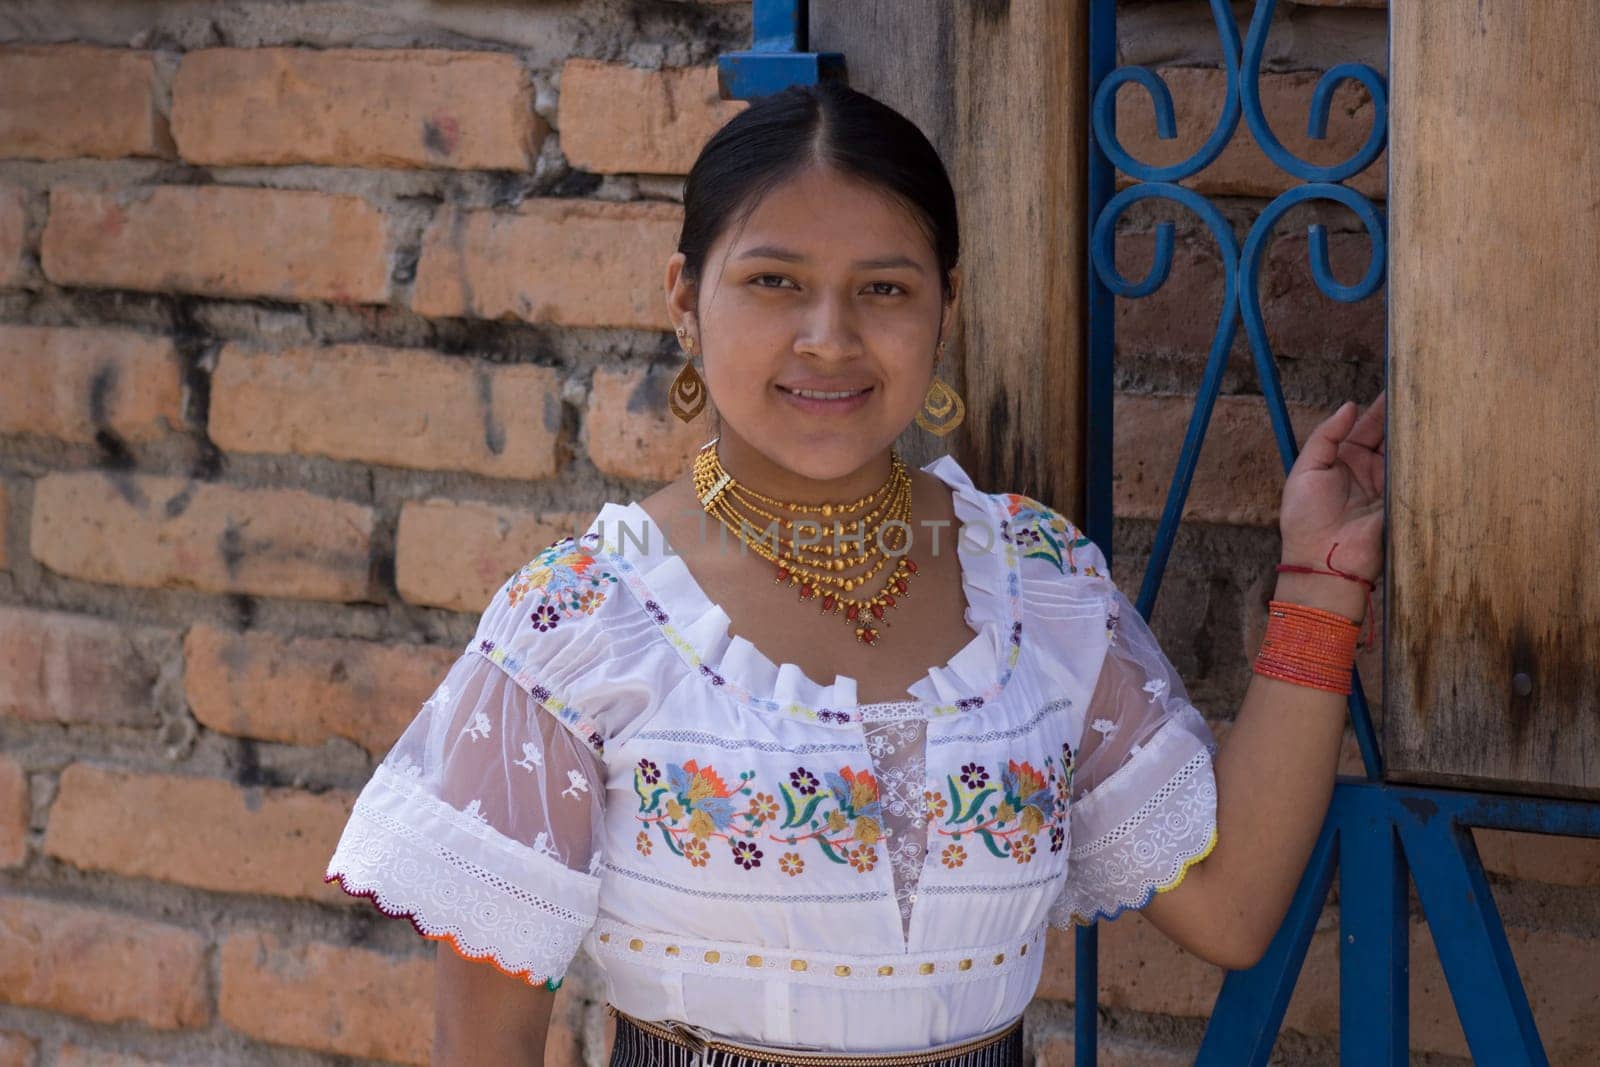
(754, 470)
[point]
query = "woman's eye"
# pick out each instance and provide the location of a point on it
(761, 280)
(891, 285)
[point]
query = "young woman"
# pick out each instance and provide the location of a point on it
(809, 748)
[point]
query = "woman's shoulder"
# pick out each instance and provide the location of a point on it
(570, 591)
(1042, 534)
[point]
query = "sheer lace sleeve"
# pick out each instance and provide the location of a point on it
(482, 824)
(1143, 795)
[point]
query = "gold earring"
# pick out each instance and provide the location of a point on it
(942, 409)
(687, 398)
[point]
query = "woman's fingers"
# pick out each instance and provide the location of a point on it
(1321, 449)
(1368, 430)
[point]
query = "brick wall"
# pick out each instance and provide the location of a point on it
(238, 547)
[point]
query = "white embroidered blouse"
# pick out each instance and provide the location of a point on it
(755, 853)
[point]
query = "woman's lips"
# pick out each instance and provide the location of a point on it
(822, 406)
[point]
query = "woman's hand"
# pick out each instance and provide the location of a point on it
(1334, 494)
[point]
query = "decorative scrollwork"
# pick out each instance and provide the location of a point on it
(1104, 110)
(1255, 44)
(1249, 287)
(1102, 249)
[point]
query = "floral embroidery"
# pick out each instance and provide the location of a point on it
(478, 728)
(643, 843)
(691, 806)
(566, 580)
(695, 804)
(746, 854)
(576, 783)
(763, 807)
(531, 756)
(1007, 817)
(1044, 533)
(934, 804)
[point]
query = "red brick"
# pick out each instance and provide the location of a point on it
(1179, 319)
(150, 531)
(1540, 857)
(282, 244)
(305, 690)
(416, 409)
(17, 1050)
(13, 815)
(201, 832)
(620, 119)
(456, 555)
(347, 1001)
(103, 966)
(68, 101)
(567, 262)
(1243, 169)
(1140, 969)
(60, 667)
(72, 384)
(1239, 478)
(1111, 1051)
(356, 108)
(13, 238)
(629, 431)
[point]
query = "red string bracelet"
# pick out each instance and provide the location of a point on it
(1296, 568)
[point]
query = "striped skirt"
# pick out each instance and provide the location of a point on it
(649, 1044)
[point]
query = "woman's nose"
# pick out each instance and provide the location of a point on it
(830, 330)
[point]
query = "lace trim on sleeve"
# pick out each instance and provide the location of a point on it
(460, 880)
(1151, 849)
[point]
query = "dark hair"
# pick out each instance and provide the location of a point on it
(830, 123)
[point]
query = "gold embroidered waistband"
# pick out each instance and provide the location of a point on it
(988, 1049)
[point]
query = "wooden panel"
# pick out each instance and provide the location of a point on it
(998, 87)
(1493, 673)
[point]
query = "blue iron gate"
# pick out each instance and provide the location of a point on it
(1376, 835)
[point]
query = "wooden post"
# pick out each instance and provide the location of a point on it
(999, 88)
(1493, 670)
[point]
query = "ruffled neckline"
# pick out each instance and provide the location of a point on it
(697, 627)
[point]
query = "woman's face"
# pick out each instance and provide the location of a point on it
(830, 285)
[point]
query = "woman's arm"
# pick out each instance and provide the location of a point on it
(1275, 769)
(482, 1016)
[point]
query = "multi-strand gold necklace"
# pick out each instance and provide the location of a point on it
(819, 570)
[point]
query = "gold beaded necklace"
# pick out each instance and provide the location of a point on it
(818, 570)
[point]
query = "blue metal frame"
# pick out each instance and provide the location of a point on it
(1374, 834)
(777, 57)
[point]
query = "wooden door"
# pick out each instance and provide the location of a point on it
(1493, 658)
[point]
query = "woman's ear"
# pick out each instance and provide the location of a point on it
(680, 292)
(947, 316)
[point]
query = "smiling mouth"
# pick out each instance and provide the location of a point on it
(825, 394)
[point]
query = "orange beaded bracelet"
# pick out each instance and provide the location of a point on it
(1308, 646)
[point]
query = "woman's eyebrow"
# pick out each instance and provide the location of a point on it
(790, 256)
